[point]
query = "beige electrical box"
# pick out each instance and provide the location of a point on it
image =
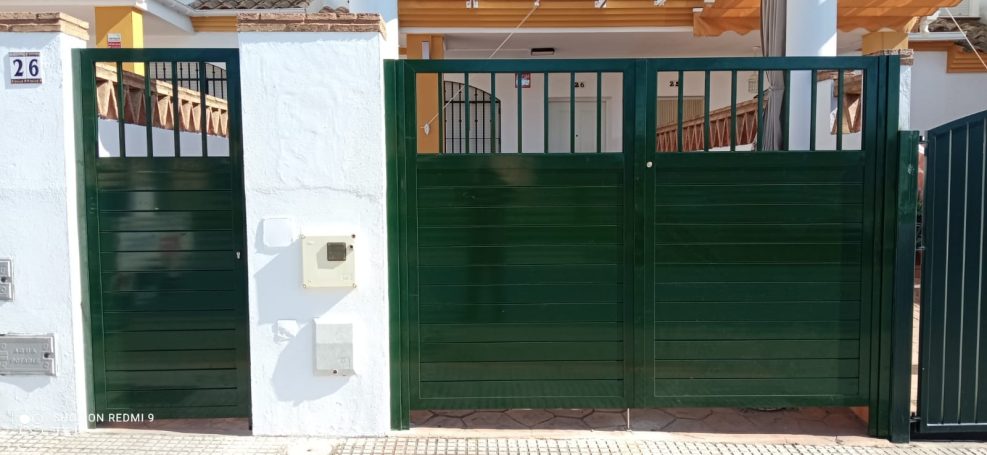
(328, 261)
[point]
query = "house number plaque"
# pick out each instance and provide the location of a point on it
(27, 355)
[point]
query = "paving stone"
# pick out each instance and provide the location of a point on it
(813, 413)
(599, 420)
(453, 412)
(650, 419)
(420, 417)
(689, 413)
(562, 423)
(490, 419)
(530, 417)
(728, 422)
(440, 421)
(686, 426)
(845, 424)
(577, 413)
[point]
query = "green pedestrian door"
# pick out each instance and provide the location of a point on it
(641, 252)
(164, 228)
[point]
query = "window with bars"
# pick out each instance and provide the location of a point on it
(475, 109)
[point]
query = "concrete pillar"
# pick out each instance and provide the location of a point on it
(40, 228)
(127, 26)
(427, 47)
(810, 31)
(314, 163)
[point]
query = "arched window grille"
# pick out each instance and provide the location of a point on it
(482, 138)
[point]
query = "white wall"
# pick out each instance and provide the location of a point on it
(314, 151)
(939, 97)
(40, 233)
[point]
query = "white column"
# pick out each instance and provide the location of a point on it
(810, 31)
(314, 154)
(40, 225)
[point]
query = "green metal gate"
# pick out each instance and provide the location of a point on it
(638, 274)
(164, 232)
(953, 357)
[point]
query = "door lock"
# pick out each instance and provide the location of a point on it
(649, 164)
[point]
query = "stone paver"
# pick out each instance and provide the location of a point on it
(120, 442)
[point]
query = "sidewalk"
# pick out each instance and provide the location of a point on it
(132, 442)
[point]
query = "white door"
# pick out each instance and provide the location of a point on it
(558, 125)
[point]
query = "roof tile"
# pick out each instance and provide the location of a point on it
(248, 4)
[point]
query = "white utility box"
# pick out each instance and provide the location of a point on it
(334, 349)
(328, 261)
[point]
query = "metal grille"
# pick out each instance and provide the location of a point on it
(187, 75)
(478, 104)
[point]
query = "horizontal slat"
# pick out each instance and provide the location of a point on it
(170, 379)
(166, 241)
(164, 181)
(757, 369)
(522, 389)
(757, 330)
(525, 402)
(521, 293)
(758, 214)
(519, 196)
(794, 253)
(769, 387)
(130, 321)
(521, 351)
(521, 255)
(519, 371)
(170, 340)
(160, 164)
(517, 235)
(570, 331)
(764, 273)
(165, 221)
(520, 274)
(525, 312)
(758, 168)
(757, 292)
(172, 398)
(518, 162)
(758, 233)
(165, 200)
(758, 349)
(171, 360)
(171, 300)
(758, 311)
(520, 216)
(170, 281)
(758, 194)
(172, 261)
(443, 178)
(198, 412)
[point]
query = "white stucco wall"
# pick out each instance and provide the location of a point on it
(40, 233)
(314, 151)
(939, 97)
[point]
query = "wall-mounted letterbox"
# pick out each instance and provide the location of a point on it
(328, 261)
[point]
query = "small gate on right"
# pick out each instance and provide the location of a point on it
(952, 395)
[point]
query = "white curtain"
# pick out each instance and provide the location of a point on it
(773, 45)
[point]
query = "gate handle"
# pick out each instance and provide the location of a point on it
(649, 164)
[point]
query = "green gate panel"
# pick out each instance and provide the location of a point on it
(953, 349)
(167, 274)
(757, 279)
(521, 299)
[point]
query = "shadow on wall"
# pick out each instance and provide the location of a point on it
(289, 311)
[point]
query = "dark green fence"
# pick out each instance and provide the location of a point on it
(561, 273)
(953, 380)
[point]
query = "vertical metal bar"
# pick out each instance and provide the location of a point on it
(681, 107)
(572, 112)
(148, 109)
(517, 81)
(440, 115)
(493, 113)
(176, 112)
(545, 104)
(466, 103)
(760, 109)
(706, 135)
(121, 117)
(839, 111)
(812, 109)
(733, 110)
(203, 109)
(787, 110)
(599, 112)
